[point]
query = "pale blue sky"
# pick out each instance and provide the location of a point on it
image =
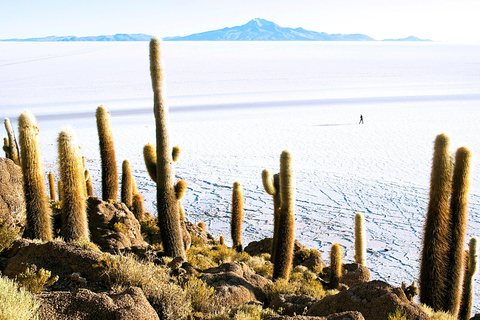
(442, 20)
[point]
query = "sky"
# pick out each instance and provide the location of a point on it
(440, 20)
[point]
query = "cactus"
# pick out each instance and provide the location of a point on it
(51, 183)
(127, 184)
(458, 226)
(222, 240)
(202, 226)
(107, 154)
(272, 187)
(470, 271)
(13, 151)
(6, 147)
(137, 207)
(336, 260)
(176, 153)
(360, 248)
(167, 204)
(433, 268)
(88, 183)
(237, 216)
(286, 230)
(150, 158)
(61, 195)
(39, 224)
(74, 206)
(134, 186)
(181, 211)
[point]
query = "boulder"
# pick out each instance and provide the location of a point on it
(353, 273)
(113, 226)
(349, 315)
(12, 200)
(256, 248)
(195, 230)
(55, 256)
(292, 304)
(84, 304)
(375, 300)
(236, 284)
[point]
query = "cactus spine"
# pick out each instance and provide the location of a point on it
(39, 224)
(168, 215)
(272, 187)
(107, 154)
(433, 268)
(360, 248)
(127, 184)
(51, 183)
(286, 229)
(12, 143)
(458, 226)
(237, 216)
(470, 271)
(336, 260)
(74, 207)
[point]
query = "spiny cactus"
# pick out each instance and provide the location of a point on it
(13, 152)
(360, 247)
(336, 265)
(51, 183)
(470, 271)
(167, 204)
(202, 226)
(39, 224)
(222, 240)
(6, 148)
(286, 229)
(433, 268)
(176, 153)
(272, 187)
(237, 216)
(61, 195)
(74, 206)
(150, 158)
(181, 211)
(88, 183)
(458, 226)
(107, 154)
(137, 207)
(127, 184)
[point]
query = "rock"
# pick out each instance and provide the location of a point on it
(12, 200)
(113, 226)
(196, 231)
(59, 258)
(349, 315)
(292, 304)
(310, 258)
(375, 300)
(236, 285)
(256, 248)
(353, 273)
(86, 305)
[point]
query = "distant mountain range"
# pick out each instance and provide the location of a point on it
(254, 30)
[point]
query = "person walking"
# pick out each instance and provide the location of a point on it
(361, 119)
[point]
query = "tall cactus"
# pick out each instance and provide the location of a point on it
(286, 228)
(470, 271)
(272, 187)
(74, 206)
(127, 184)
(39, 224)
(360, 247)
(168, 215)
(51, 183)
(150, 158)
(88, 183)
(107, 154)
(237, 216)
(61, 195)
(458, 226)
(12, 143)
(6, 148)
(336, 265)
(137, 207)
(433, 268)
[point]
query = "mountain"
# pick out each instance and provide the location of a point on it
(117, 37)
(263, 30)
(411, 38)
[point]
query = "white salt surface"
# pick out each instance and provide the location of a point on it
(236, 106)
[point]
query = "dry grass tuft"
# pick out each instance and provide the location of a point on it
(245, 312)
(35, 282)
(200, 295)
(84, 243)
(210, 256)
(16, 303)
(436, 315)
(8, 235)
(302, 281)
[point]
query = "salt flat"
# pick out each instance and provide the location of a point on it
(236, 106)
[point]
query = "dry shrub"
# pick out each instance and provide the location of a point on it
(8, 235)
(84, 243)
(261, 266)
(201, 296)
(120, 227)
(149, 229)
(35, 282)
(159, 288)
(204, 257)
(397, 315)
(302, 281)
(437, 315)
(16, 303)
(245, 312)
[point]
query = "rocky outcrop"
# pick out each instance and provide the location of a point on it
(236, 284)
(292, 304)
(349, 315)
(353, 273)
(87, 305)
(375, 300)
(113, 226)
(55, 256)
(12, 200)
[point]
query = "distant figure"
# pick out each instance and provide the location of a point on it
(361, 119)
